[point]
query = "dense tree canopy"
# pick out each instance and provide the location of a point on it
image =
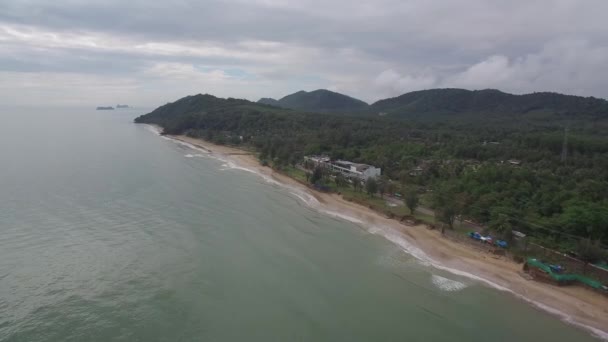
(321, 101)
(503, 171)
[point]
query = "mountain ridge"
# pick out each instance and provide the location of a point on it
(559, 174)
(454, 101)
(320, 101)
(445, 101)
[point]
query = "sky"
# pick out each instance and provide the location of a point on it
(147, 53)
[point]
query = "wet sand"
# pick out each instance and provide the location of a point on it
(573, 304)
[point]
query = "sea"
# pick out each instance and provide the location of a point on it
(110, 232)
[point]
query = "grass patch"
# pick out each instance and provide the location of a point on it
(295, 173)
(426, 218)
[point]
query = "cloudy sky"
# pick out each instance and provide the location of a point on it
(148, 52)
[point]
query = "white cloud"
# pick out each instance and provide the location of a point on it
(379, 49)
(391, 83)
(492, 71)
(570, 66)
(95, 41)
(180, 71)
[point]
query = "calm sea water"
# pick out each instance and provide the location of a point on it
(109, 232)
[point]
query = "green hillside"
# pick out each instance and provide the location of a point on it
(186, 113)
(269, 101)
(505, 173)
(319, 101)
(490, 103)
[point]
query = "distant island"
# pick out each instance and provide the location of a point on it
(118, 106)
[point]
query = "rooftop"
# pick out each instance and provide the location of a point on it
(348, 164)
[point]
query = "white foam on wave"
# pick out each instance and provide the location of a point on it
(395, 258)
(154, 129)
(307, 199)
(551, 310)
(601, 334)
(302, 195)
(186, 144)
(446, 284)
(230, 165)
(312, 202)
(342, 216)
(394, 236)
(157, 131)
(400, 240)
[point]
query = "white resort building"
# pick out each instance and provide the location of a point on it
(349, 169)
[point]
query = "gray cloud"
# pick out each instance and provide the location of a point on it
(156, 51)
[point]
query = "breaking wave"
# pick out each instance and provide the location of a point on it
(154, 129)
(392, 235)
(446, 284)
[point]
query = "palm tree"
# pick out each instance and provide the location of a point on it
(446, 215)
(502, 226)
(371, 186)
(340, 180)
(411, 200)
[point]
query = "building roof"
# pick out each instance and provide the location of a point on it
(344, 162)
(357, 166)
(341, 163)
(322, 158)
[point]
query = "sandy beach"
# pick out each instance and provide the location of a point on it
(573, 304)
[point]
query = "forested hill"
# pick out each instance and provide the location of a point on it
(490, 102)
(495, 173)
(320, 101)
(187, 112)
(269, 101)
(458, 104)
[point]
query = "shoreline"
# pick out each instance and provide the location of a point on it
(574, 305)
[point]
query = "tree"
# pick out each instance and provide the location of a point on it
(280, 161)
(308, 164)
(502, 225)
(317, 175)
(235, 140)
(571, 199)
(263, 154)
(371, 186)
(589, 251)
(446, 215)
(262, 159)
(294, 158)
(585, 219)
(381, 188)
(390, 187)
(404, 177)
(356, 184)
(340, 180)
(411, 200)
(444, 203)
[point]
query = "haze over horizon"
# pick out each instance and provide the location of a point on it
(108, 52)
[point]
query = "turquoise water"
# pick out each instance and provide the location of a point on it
(109, 232)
